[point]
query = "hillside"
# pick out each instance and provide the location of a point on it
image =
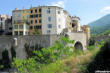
(101, 25)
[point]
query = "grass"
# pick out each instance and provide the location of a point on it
(73, 64)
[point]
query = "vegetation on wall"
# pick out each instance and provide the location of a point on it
(13, 52)
(5, 59)
(45, 56)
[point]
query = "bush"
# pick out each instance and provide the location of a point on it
(5, 59)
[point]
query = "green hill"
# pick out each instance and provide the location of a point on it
(101, 25)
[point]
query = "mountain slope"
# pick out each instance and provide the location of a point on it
(100, 25)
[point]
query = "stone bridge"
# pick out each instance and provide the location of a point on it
(80, 39)
(6, 42)
(101, 38)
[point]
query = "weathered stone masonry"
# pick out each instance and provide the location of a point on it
(6, 42)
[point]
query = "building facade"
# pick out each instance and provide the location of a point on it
(44, 20)
(5, 24)
(20, 22)
(53, 20)
(35, 19)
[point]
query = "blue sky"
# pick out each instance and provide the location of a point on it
(87, 10)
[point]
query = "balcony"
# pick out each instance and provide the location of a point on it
(21, 21)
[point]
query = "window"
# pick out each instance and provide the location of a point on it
(31, 11)
(16, 27)
(20, 26)
(36, 15)
(16, 32)
(40, 10)
(36, 11)
(48, 31)
(49, 25)
(31, 16)
(31, 27)
(35, 21)
(21, 32)
(48, 11)
(58, 12)
(37, 27)
(39, 15)
(49, 19)
(40, 21)
(59, 26)
(31, 21)
(26, 33)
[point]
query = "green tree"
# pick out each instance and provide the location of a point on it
(13, 52)
(36, 32)
(25, 66)
(5, 58)
(60, 50)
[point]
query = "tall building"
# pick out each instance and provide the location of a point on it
(41, 19)
(76, 24)
(20, 22)
(44, 20)
(53, 20)
(35, 19)
(5, 24)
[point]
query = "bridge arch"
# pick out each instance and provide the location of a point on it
(78, 45)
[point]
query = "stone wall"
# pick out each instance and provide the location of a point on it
(6, 42)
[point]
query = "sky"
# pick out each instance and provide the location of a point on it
(87, 10)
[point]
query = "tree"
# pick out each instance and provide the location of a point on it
(59, 50)
(36, 32)
(13, 52)
(5, 58)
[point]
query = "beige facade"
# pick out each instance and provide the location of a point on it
(68, 21)
(35, 19)
(20, 22)
(86, 29)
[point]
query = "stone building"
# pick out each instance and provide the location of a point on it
(86, 29)
(75, 23)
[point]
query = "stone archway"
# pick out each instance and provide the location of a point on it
(78, 45)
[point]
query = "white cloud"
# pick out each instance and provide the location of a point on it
(105, 10)
(59, 3)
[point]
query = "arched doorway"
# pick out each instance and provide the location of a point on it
(78, 45)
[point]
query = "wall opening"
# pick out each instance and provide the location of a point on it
(78, 45)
